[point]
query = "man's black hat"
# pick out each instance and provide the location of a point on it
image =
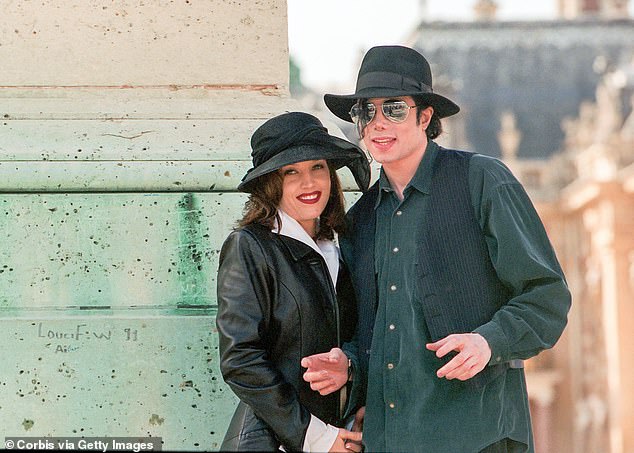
(295, 137)
(392, 71)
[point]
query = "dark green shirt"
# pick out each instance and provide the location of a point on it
(409, 408)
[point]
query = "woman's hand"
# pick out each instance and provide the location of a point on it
(326, 372)
(347, 441)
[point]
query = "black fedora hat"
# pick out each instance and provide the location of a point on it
(391, 71)
(295, 137)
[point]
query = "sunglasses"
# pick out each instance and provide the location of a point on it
(395, 111)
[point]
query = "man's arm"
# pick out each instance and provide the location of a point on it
(534, 317)
(521, 253)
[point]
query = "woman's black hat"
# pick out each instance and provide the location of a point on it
(295, 137)
(392, 71)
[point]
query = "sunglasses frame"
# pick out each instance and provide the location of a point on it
(364, 117)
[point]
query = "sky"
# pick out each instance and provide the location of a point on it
(327, 37)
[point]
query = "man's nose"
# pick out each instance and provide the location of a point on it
(379, 119)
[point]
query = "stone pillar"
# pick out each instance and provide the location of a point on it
(124, 130)
(151, 82)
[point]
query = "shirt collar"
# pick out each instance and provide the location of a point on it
(421, 180)
(292, 229)
(327, 249)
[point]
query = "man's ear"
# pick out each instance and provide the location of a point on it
(425, 116)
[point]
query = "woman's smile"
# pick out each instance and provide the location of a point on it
(310, 198)
(305, 192)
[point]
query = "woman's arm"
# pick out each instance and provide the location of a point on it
(245, 295)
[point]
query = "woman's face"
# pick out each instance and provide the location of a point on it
(305, 192)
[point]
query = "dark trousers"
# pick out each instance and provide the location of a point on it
(504, 446)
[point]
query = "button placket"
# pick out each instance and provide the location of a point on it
(394, 264)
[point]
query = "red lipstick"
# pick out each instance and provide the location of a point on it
(309, 198)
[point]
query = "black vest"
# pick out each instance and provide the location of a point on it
(458, 285)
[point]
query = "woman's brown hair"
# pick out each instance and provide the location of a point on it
(265, 197)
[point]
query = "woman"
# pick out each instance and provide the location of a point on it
(283, 294)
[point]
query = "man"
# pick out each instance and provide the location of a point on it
(456, 279)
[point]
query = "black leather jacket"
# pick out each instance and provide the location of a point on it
(276, 304)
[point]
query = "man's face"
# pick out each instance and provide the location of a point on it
(396, 144)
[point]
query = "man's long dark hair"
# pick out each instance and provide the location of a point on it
(434, 129)
(261, 206)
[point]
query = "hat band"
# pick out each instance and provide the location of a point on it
(380, 79)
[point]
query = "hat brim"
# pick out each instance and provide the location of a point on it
(337, 152)
(340, 105)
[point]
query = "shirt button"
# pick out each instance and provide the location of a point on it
(390, 366)
(497, 359)
(392, 327)
(392, 405)
(399, 212)
(395, 249)
(393, 287)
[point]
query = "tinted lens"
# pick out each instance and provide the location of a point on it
(395, 111)
(362, 114)
(355, 113)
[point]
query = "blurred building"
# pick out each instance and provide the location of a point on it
(537, 71)
(581, 392)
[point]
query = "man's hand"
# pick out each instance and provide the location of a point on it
(347, 441)
(473, 355)
(326, 372)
